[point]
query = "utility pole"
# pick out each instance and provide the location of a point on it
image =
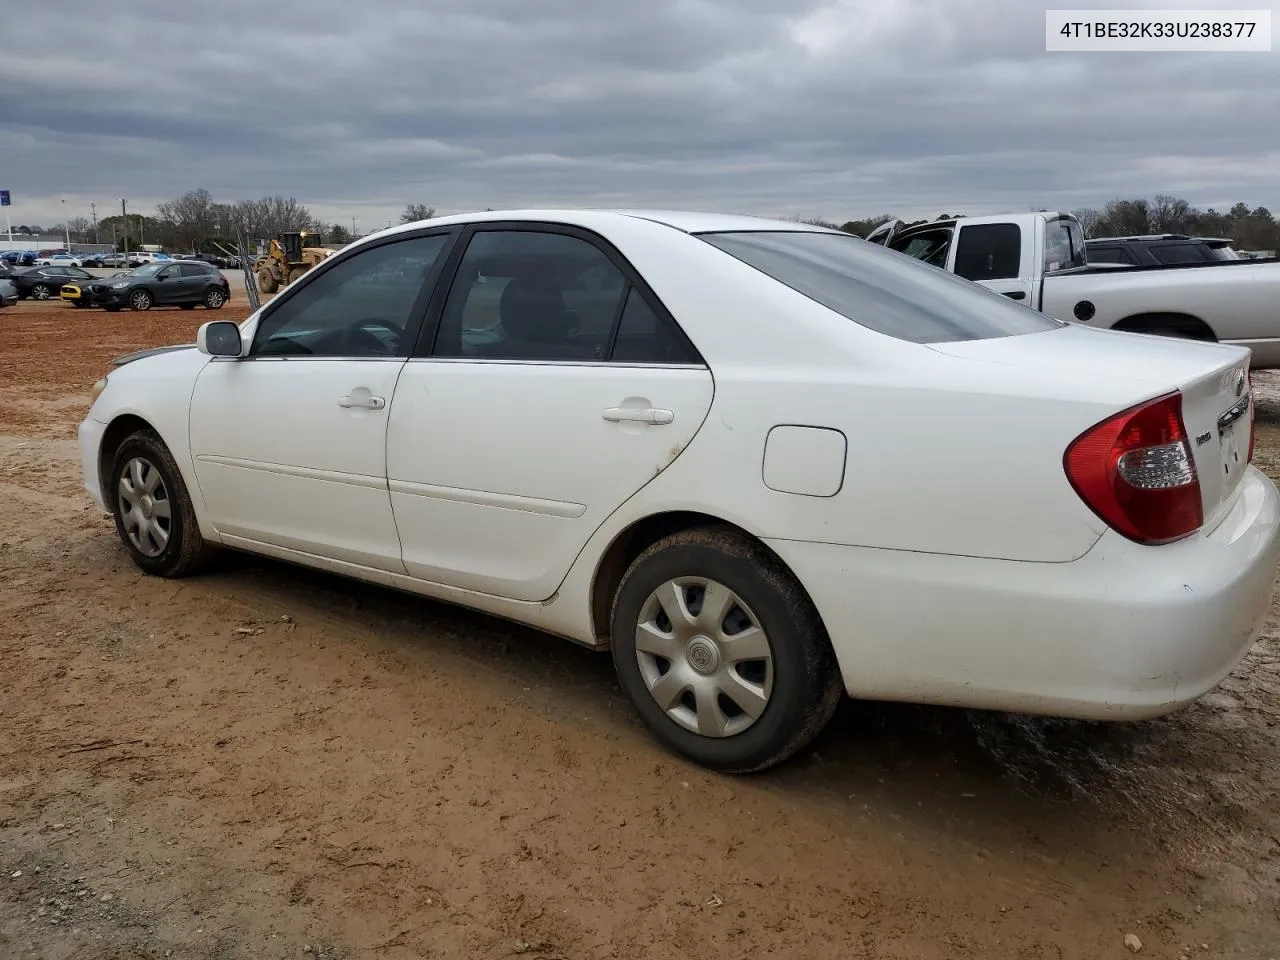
(65, 225)
(353, 228)
(124, 215)
(93, 207)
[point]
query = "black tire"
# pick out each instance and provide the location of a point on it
(266, 281)
(141, 300)
(184, 550)
(806, 683)
(41, 291)
(215, 299)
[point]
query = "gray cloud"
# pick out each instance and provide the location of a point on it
(834, 108)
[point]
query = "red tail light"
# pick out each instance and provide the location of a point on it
(1135, 471)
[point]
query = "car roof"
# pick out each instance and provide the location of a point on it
(688, 221)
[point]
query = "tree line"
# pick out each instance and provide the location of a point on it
(195, 221)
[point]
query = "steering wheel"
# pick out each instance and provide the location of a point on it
(359, 341)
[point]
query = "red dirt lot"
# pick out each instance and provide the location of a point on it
(268, 762)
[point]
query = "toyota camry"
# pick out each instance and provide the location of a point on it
(765, 464)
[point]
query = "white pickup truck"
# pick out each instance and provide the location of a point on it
(1039, 259)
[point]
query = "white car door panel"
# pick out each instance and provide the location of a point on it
(500, 472)
(282, 457)
(555, 389)
(289, 444)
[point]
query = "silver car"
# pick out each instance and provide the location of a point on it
(8, 292)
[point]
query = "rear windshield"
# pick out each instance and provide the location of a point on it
(888, 292)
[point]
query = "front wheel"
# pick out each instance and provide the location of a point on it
(721, 652)
(215, 299)
(266, 281)
(154, 516)
(141, 300)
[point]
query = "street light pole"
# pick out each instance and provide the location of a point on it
(93, 207)
(124, 215)
(65, 225)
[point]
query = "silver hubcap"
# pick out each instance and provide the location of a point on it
(40, 293)
(145, 509)
(704, 657)
(141, 301)
(215, 299)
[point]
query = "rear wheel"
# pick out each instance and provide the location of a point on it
(141, 300)
(41, 291)
(296, 273)
(154, 516)
(721, 652)
(215, 299)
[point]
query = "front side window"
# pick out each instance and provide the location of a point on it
(360, 307)
(1063, 245)
(879, 289)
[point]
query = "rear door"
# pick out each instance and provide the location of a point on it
(553, 387)
(997, 256)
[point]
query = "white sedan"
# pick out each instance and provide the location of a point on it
(59, 260)
(762, 462)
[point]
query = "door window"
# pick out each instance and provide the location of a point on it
(989, 251)
(645, 337)
(193, 270)
(360, 307)
(529, 295)
(930, 247)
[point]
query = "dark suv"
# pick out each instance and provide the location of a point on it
(184, 283)
(1160, 250)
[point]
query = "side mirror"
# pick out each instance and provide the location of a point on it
(219, 338)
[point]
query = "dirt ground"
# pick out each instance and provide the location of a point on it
(268, 762)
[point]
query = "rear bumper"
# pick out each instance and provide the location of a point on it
(1125, 632)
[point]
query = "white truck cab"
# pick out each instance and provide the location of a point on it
(1039, 259)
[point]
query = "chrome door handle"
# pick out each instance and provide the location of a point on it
(371, 403)
(638, 415)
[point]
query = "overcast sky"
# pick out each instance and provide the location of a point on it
(831, 108)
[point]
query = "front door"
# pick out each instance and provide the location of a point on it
(289, 443)
(556, 388)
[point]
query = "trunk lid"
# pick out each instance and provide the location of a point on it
(1213, 379)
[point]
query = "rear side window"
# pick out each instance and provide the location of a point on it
(1178, 253)
(1110, 255)
(989, 251)
(880, 289)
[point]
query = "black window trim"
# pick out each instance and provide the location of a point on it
(424, 348)
(417, 313)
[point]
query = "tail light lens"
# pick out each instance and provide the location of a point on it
(1135, 471)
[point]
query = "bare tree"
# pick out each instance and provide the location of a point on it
(417, 211)
(81, 229)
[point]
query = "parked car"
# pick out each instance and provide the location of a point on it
(18, 258)
(1165, 249)
(169, 283)
(763, 462)
(114, 260)
(44, 283)
(93, 260)
(1039, 259)
(8, 292)
(59, 260)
